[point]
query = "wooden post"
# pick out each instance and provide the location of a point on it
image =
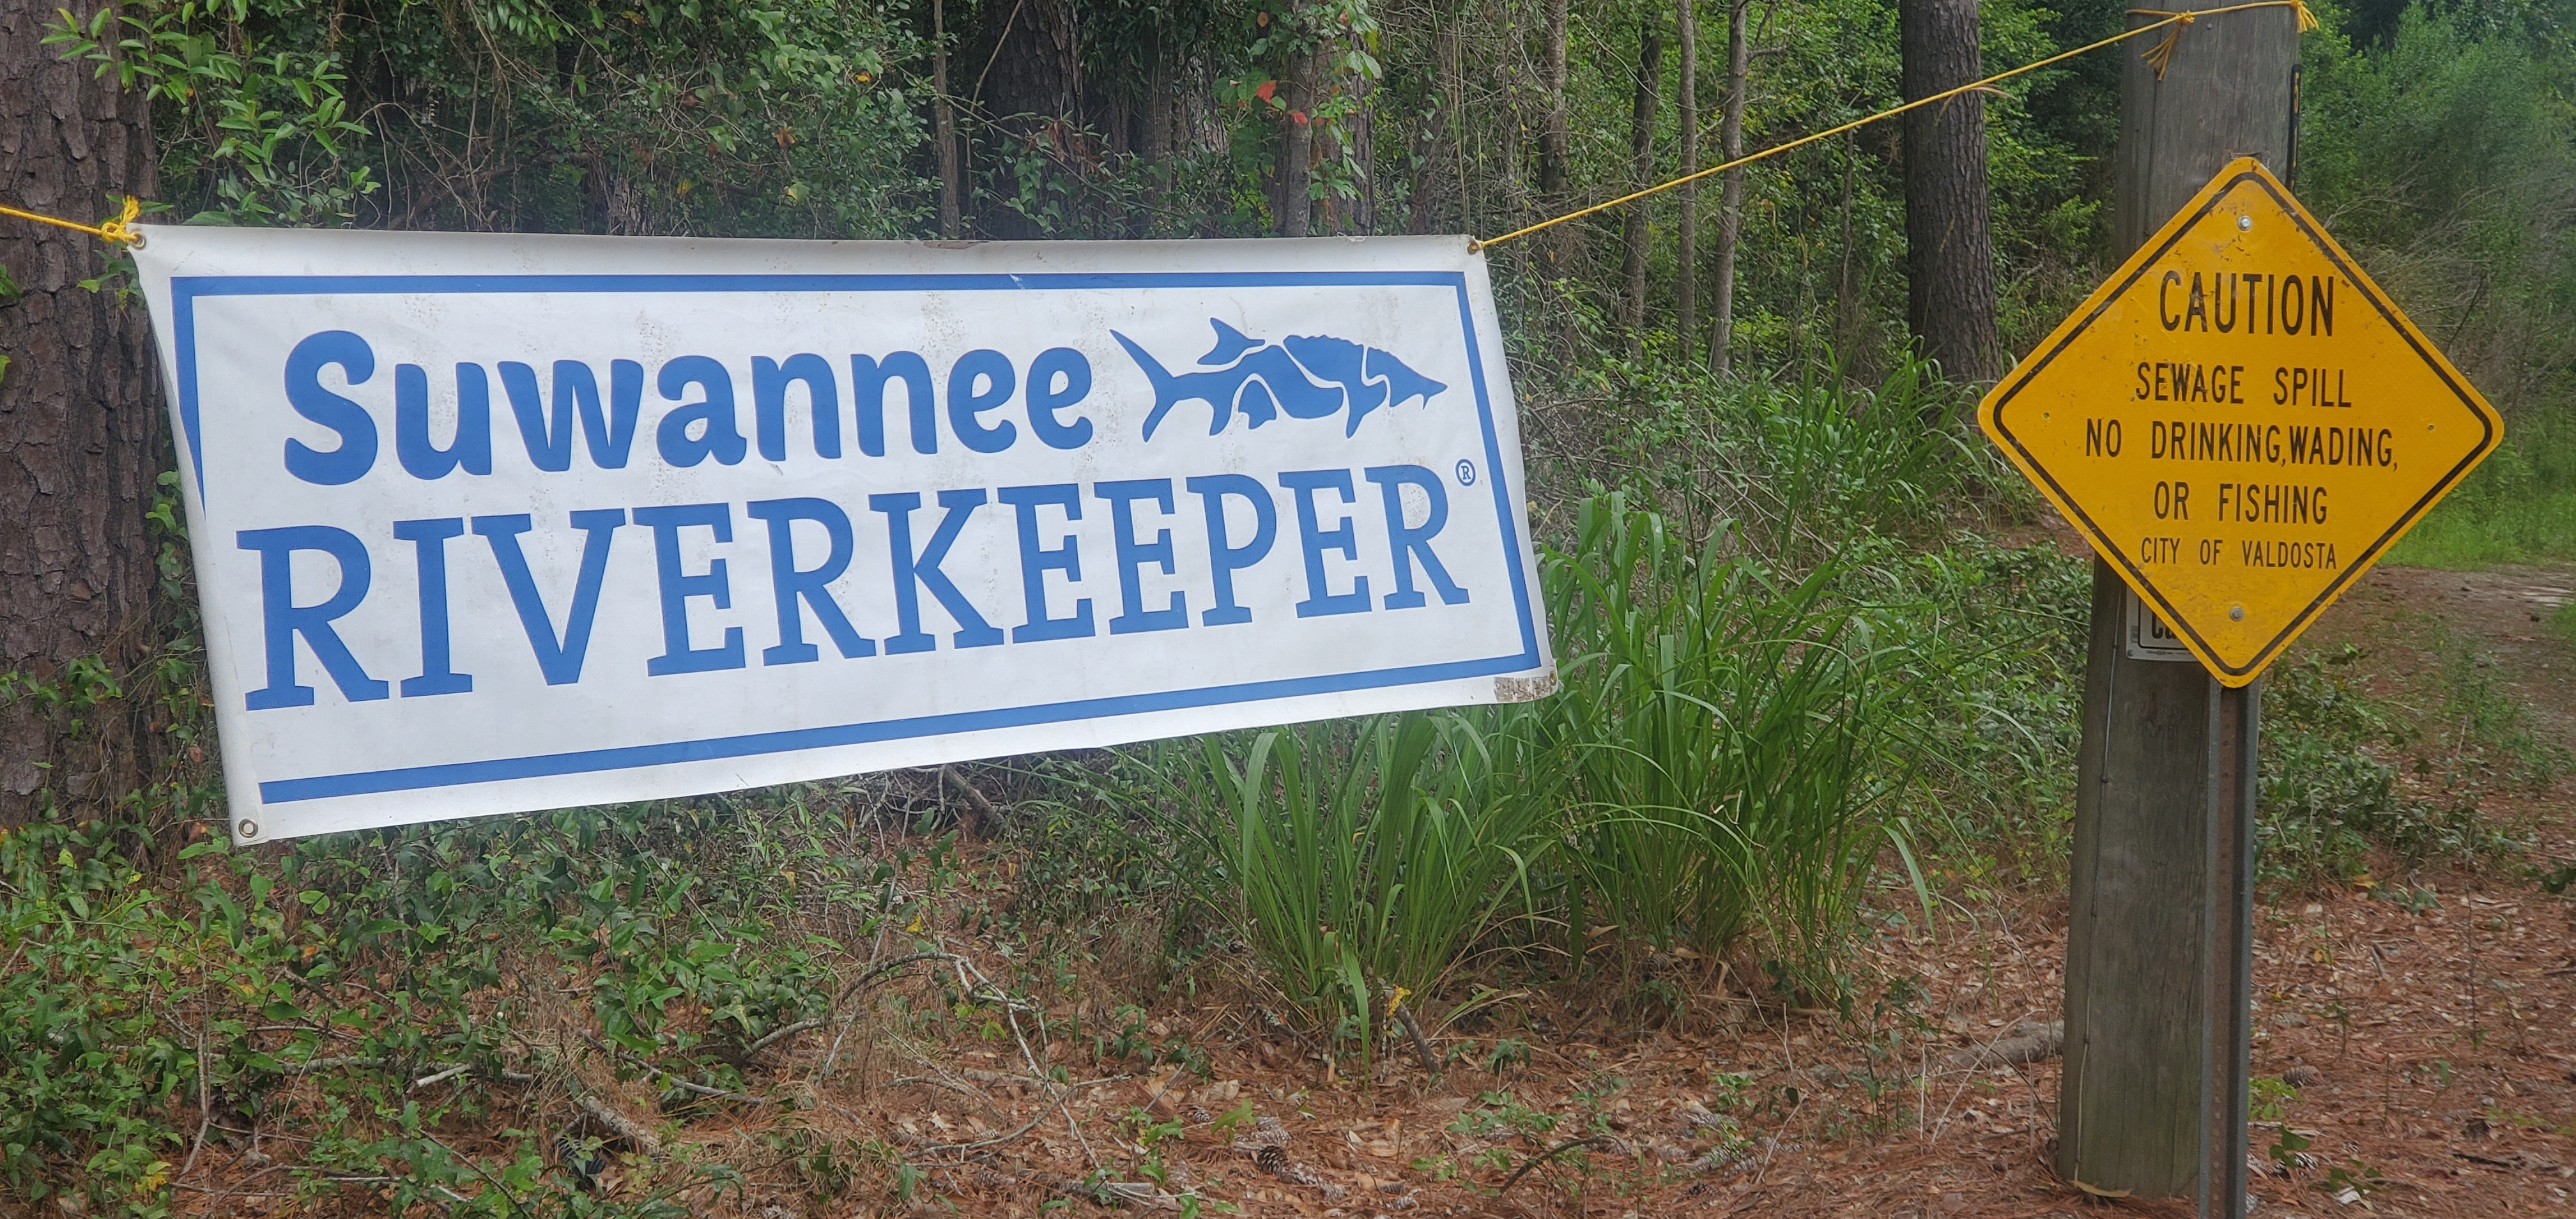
(2160, 911)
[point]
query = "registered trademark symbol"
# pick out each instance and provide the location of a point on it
(1466, 473)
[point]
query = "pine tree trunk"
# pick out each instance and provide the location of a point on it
(80, 412)
(1031, 83)
(1950, 289)
(1555, 148)
(1686, 96)
(1638, 222)
(1730, 214)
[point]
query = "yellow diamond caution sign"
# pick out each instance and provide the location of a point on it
(2240, 422)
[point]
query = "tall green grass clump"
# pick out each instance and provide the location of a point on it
(1721, 741)
(1360, 858)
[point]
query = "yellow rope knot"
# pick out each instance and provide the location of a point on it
(119, 230)
(2160, 56)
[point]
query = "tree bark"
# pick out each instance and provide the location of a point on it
(1031, 88)
(1555, 147)
(1686, 220)
(1730, 213)
(1638, 223)
(944, 125)
(80, 412)
(1950, 290)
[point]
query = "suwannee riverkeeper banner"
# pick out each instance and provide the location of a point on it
(491, 523)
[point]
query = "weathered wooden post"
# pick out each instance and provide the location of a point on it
(2158, 956)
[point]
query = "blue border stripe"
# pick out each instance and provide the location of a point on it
(1494, 474)
(627, 757)
(185, 290)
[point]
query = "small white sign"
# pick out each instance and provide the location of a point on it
(490, 523)
(2150, 638)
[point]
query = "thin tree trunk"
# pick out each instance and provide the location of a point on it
(1638, 223)
(944, 125)
(1356, 144)
(80, 439)
(1555, 148)
(1425, 210)
(1730, 215)
(1458, 133)
(1686, 96)
(1332, 212)
(1159, 107)
(1950, 288)
(1297, 145)
(1364, 148)
(1846, 301)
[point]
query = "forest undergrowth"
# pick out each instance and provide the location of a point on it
(1807, 695)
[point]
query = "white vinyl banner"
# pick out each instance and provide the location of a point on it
(491, 523)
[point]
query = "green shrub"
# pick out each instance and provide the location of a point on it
(88, 1069)
(1799, 464)
(1989, 642)
(2328, 799)
(672, 936)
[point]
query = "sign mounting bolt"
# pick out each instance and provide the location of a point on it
(2245, 224)
(2236, 613)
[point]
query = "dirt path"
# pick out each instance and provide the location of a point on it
(2505, 612)
(2434, 1038)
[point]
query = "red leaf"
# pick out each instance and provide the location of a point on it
(1267, 88)
(1298, 117)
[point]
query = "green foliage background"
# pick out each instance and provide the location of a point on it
(1809, 682)
(2436, 140)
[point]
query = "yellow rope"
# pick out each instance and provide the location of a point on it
(2307, 21)
(119, 230)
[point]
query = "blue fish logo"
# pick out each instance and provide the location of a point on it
(1262, 380)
